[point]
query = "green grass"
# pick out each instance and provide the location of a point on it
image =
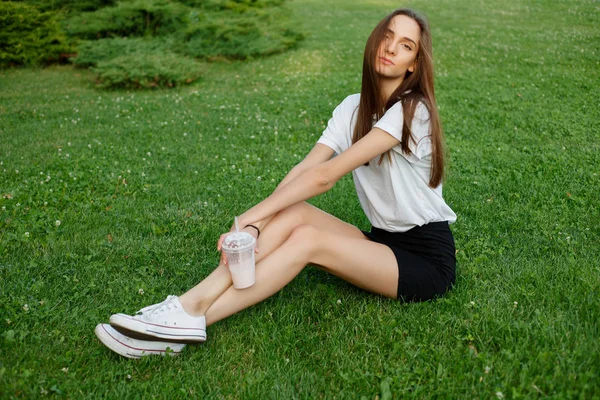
(144, 182)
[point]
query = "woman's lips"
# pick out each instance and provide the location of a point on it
(386, 61)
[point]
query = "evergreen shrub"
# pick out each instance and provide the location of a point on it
(70, 5)
(29, 36)
(141, 70)
(130, 18)
(235, 5)
(93, 52)
(233, 35)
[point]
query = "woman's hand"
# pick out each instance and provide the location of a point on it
(247, 229)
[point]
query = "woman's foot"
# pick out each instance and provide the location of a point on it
(165, 321)
(134, 348)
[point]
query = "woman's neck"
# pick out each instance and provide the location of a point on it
(388, 87)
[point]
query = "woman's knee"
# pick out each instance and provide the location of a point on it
(304, 238)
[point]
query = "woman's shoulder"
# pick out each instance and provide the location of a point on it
(353, 98)
(421, 109)
(351, 102)
(347, 107)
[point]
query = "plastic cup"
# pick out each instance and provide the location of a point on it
(239, 250)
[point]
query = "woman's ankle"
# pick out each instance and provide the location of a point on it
(193, 307)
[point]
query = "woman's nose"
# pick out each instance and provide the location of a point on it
(389, 47)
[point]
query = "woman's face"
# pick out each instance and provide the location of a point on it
(398, 50)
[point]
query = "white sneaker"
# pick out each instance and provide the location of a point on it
(134, 348)
(166, 321)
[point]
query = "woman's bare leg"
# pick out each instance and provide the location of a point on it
(198, 299)
(369, 265)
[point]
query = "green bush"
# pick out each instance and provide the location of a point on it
(240, 36)
(30, 37)
(140, 70)
(93, 52)
(235, 5)
(70, 5)
(134, 18)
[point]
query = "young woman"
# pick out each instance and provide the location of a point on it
(389, 136)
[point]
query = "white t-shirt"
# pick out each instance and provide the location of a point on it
(395, 196)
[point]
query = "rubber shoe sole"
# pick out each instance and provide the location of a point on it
(134, 348)
(143, 330)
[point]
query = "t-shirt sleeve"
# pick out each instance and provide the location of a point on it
(392, 121)
(334, 136)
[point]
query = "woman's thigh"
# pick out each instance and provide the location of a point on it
(369, 265)
(307, 214)
(283, 224)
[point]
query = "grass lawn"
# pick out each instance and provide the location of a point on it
(112, 200)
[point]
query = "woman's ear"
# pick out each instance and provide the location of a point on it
(412, 68)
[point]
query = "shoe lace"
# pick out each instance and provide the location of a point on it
(158, 308)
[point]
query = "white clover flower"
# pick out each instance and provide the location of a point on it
(499, 395)
(25, 307)
(57, 222)
(339, 301)
(141, 291)
(487, 369)
(65, 370)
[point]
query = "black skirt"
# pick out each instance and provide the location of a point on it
(426, 259)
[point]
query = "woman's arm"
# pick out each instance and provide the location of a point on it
(320, 177)
(319, 154)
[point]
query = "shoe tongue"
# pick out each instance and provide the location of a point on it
(150, 308)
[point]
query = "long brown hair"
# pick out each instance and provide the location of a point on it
(416, 87)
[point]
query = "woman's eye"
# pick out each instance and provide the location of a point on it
(407, 47)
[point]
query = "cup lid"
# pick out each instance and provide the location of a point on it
(238, 241)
